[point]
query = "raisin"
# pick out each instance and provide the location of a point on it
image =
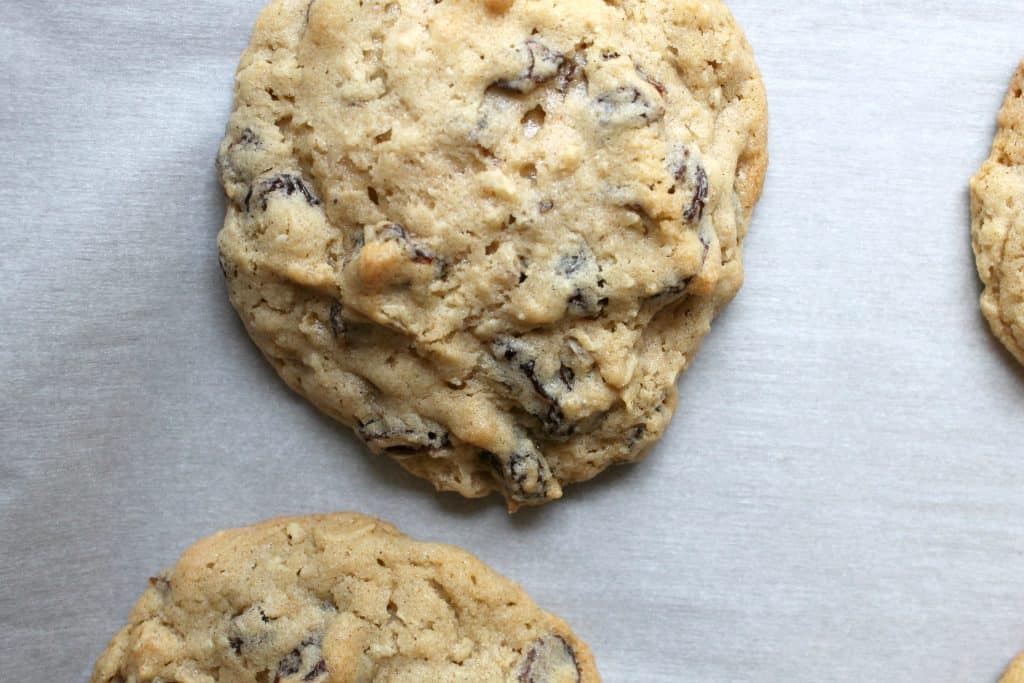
(553, 417)
(510, 351)
(567, 375)
(248, 138)
(582, 269)
(249, 628)
(521, 465)
(225, 159)
(526, 476)
(515, 354)
(570, 70)
(672, 290)
(284, 183)
(542, 64)
(627, 106)
(232, 169)
(569, 264)
(655, 83)
(677, 164)
(537, 395)
(337, 322)
(639, 210)
(491, 460)
(550, 659)
(403, 437)
(318, 670)
(636, 434)
(307, 654)
(700, 195)
(680, 285)
(289, 664)
(585, 304)
(358, 240)
(395, 232)
(689, 172)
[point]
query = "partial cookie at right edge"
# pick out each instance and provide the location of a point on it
(997, 223)
(1015, 672)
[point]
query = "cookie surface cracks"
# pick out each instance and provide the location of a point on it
(339, 598)
(490, 241)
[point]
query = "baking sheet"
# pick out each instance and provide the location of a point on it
(839, 497)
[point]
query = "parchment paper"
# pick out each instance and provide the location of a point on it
(840, 497)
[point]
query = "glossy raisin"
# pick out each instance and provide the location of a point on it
(550, 659)
(541, 65)
(403, 437)
(525, 475)
(627, 106)
(287, 184)
(700, 196)
(689, 174)
(539, 396)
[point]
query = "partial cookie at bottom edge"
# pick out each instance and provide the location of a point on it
(332, 598)
(1014, 672)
